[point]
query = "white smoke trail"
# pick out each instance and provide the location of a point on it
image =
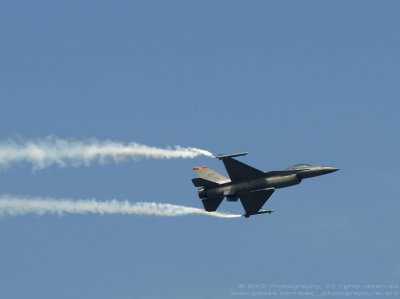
(51, 150)
(14, 206)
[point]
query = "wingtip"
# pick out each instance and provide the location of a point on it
(247, 215)
(222, 156)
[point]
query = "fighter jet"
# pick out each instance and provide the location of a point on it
(252, 186)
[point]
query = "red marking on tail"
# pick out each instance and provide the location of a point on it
(200, 167)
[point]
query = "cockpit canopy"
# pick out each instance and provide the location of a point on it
(299, 166)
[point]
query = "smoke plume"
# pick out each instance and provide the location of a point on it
(14, 206)
(51, 150)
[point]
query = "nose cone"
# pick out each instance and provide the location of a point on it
(328, 169)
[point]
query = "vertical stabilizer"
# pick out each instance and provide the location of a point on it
(210, 175)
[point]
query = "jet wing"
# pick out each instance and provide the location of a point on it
(253, 201)
(239, 171)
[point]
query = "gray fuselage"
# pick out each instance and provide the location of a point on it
(273, 179)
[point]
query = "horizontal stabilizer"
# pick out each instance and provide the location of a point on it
(211, 204)
(221, 157)
(199, 182)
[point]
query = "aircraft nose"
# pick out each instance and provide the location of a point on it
(328, 169)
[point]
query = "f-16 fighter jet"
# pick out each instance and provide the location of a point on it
(252, 186)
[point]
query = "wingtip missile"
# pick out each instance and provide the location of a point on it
(247, 215)
(221, 156)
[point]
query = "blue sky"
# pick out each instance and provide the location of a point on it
(289, 81)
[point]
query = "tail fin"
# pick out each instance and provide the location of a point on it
(209, 178)
(199, 182)
(210, 175)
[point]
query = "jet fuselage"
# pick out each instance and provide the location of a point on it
(254, 187)
(276, 180)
